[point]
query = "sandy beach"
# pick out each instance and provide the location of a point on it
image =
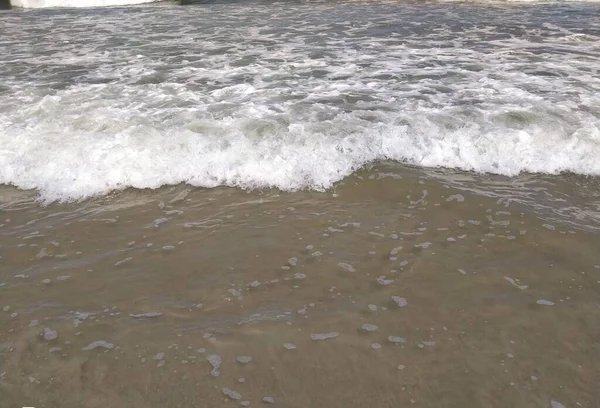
(398, 288)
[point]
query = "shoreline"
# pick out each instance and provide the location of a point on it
(147, 285)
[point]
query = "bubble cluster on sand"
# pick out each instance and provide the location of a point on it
(119, 263)
(49, 334)
(369, 327)
(456, 197)
(395, 250)
(289, 346)
(514, 283)
(215, 361)
(400, 301)
(269, 400)
(383, 281)
(230, 393)
(346, 266)
(145, 315)
(324, 336)
(243, 359)
(99, 343)
(545, 302)
(396, 339)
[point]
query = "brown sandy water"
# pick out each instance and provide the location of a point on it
(435, 290)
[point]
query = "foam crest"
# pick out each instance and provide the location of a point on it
(74, 3)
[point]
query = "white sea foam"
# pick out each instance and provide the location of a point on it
(74, 3)
(225, 100)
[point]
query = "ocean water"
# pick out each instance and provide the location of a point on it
(293, 95)
(300, 203)
(73, 3)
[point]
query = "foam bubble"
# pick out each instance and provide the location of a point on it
(74, 3)
(49, 334)
(514, 283)
(230, 393)
(215, 361)
(244, 359)
(145, 315)
(369, 327)
(347, 266)
(396, 339)
(324, 336)
(383, 281)
(99, 343)
(400, 301)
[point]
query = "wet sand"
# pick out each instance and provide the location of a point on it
(401, 287)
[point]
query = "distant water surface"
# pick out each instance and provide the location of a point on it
(294, 95)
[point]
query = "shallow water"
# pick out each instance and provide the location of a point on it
(397, 288)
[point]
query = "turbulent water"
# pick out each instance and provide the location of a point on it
(293, 95)
(74, 3)
(424, 251)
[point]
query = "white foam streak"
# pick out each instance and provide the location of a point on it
(31, 4)
(89, 160)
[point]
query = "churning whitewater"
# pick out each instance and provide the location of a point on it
(74, 3)
(294, 95)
